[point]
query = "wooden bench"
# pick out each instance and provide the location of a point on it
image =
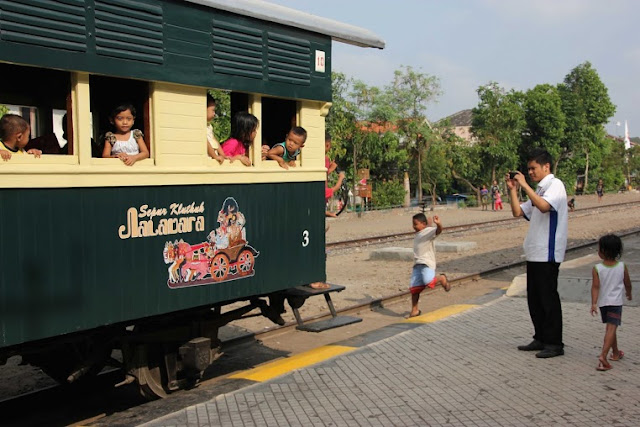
(334, 322)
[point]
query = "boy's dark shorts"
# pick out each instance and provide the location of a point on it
(611, 314)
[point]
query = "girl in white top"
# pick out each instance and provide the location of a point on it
(610, 280)
(125, 143)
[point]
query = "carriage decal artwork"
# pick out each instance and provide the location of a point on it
(224, 256)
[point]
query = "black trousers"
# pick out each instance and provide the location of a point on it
(544, 302)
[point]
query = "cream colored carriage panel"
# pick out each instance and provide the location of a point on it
(179, 128)
(312, 120)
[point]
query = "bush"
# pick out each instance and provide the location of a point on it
(388, 194)
(471, 201)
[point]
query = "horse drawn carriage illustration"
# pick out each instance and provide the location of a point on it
(225, 255)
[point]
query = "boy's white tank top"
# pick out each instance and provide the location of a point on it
(611, 284)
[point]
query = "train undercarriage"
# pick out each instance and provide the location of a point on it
(161, 354)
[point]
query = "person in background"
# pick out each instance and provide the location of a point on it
(484, 197)
(244, 128)
(610, 280)
(14, 136)
(124, 143)
(494, 188)
(600, 190)
(498, 203)
(213, 146)
(544, 248)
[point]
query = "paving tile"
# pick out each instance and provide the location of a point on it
(462, 370)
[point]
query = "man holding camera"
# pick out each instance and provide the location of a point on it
(544, 249)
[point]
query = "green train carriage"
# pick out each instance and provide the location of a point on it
(98, 255)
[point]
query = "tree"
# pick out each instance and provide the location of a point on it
(587, 107)
(359, 125)
(498, 122)
(545, 122)
(408, 96)
(222, 121)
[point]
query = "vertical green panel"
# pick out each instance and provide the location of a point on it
(71, 270)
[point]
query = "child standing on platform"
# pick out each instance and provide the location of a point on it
(610, 280)
(424, 255)
(244, 128)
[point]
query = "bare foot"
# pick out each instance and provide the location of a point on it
(445, 283)
(320, 285)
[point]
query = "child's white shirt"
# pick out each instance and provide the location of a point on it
(611, 284)
(129, 146)
(213, 142)
(424, 248)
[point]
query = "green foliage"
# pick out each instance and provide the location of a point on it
(409, 94)
(222, 122)
(613, 168)
(498, 123)
(545, 120)
(388, 194)
(3, 110)
(358, 123)
(587, 108)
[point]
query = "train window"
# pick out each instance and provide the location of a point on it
(107, 93)
(239, 102)
(43, 98)
(278, 117)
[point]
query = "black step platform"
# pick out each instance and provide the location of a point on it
(335, 321)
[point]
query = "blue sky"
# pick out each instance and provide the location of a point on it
(518, 43)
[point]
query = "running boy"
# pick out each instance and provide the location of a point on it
(424, 255)
(285, 153)
(14, 136)
(610, 277)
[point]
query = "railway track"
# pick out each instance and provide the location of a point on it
(509, 222)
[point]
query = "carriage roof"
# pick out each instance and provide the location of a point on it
(265, 11)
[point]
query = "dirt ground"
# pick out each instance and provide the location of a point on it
(366, 280)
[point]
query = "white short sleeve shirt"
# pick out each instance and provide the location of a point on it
(424, 248)
(546, 239)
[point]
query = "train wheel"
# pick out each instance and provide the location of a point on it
(245, 262)
(219, 267)
(151, 375)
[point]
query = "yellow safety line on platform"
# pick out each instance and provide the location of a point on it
(441, 313)
(280, 367)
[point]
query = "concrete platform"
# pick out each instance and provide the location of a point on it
(406, 254)
(459, 367)
(574, 280)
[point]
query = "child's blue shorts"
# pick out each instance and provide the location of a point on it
(611, 314)
(421, 277)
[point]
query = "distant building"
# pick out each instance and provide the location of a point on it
(461, 123)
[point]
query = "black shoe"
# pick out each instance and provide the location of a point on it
(550, 352)
(534, 345)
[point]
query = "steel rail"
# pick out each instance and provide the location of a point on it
(385, 238)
